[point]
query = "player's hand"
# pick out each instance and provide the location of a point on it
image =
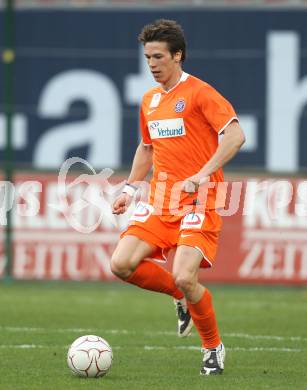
(191, 184)
(121, 203)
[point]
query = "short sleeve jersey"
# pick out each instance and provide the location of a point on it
(183, 126)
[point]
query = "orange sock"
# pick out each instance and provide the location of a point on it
(153, 277)
(204, 320)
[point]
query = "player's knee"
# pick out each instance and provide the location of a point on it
(185, 283)
(120, 267)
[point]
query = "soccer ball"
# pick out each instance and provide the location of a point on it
(90, 356)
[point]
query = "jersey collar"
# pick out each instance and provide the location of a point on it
(183, 77)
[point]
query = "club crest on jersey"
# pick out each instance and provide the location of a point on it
(180, 105)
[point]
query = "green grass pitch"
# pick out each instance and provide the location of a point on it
(264, 330)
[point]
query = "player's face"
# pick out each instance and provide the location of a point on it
(164, 66)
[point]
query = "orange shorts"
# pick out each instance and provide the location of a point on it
(199, 230)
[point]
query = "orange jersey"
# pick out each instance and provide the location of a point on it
(182, 125)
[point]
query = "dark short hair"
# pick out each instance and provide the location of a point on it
(164, 30)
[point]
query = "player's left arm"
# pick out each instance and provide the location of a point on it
(229, 146)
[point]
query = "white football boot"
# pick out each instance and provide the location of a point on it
(213, 361)
(185, 322)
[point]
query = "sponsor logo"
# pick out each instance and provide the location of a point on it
(192, 221)
(180, 105)
(166, 128)
(186, 235)
(142, 212)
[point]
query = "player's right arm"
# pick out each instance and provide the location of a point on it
(141, 166)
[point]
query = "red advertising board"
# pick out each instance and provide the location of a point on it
(263, 240)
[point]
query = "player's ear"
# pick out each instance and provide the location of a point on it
(178, 56)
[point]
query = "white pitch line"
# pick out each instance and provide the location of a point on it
(64, 330)
(147, 333)
(23, 346)
(197, 348)
(265, 337)
(155, 348)
(269, 349)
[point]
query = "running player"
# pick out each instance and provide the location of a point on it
(180, 120)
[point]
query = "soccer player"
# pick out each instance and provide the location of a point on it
(180, 121)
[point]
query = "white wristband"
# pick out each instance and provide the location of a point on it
(130, 190)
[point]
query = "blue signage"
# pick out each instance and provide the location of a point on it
(80, 76)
